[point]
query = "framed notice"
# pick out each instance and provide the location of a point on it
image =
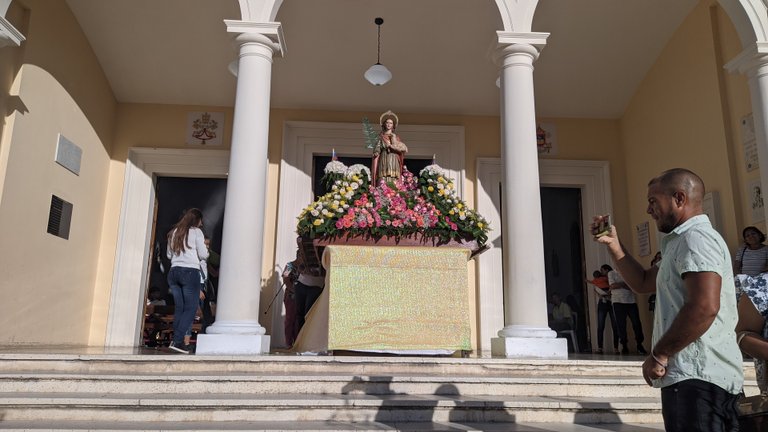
(643, 239)
(747, 129)
(755, 199)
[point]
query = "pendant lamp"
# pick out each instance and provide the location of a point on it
(378, 74)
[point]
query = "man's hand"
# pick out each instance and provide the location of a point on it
(611, 240)
(653, 370)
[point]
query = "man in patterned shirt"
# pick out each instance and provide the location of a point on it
(695, 359)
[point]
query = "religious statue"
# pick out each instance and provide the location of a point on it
(389, 151)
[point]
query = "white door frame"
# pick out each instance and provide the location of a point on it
(591, 177)
(129, 278)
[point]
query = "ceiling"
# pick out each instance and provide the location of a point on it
(177, 52)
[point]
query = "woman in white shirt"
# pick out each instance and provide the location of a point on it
(752, 258)
(186, 248)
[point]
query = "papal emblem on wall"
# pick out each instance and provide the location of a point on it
(546, 141)
(204, 128)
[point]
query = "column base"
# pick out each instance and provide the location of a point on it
(232, 344)
(527, 347)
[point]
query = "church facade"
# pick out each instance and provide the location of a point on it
(81, 142)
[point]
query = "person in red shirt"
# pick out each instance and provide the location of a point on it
(604, 308)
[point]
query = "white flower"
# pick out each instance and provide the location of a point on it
(433, 170)
(357, 169)
(346, 206)
(337, 182)
(354, 185)
(335, 167)
(336, 201)
(440, 186)
(340, 210)
(336, 196)
(315, 213)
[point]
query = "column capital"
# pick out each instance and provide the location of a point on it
(750, 61)
(267, 33)
(510, 43)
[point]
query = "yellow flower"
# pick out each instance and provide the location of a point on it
(480, 225)
(449, 186)
(441, 179)
(355, 178)
(431, 189)
(460, 205)
(441, 191)
(317, 222)
(451, 212)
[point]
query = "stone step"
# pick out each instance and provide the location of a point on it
(262, 365)
(329, 426)
(329, 384)
(187, 407)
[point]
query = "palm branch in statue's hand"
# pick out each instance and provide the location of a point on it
(371, 136)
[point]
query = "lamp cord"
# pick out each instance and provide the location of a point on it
(378, 49)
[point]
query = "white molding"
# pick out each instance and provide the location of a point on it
(129, 279)
(9, 36)
(302, 140)
(592, 177)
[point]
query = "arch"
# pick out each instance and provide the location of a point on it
(517, 15)
(750, 17)
(259, 10)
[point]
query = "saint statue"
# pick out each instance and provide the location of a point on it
(389, 151)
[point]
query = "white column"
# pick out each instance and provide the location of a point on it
(237, 329)
(526, 332)
(753, 62)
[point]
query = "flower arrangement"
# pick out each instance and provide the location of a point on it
(426, 205)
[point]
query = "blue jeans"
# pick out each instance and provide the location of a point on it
(605, 309)
(185, 287)
(698, 406)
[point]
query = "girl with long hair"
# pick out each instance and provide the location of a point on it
(186, 249)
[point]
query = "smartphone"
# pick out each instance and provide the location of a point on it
(602, 226)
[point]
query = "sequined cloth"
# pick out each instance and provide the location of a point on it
(391, 298)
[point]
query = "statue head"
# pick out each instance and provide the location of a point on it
(389, 115)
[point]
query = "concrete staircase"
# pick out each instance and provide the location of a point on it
(281, 392)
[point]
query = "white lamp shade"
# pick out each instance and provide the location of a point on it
(378, 74)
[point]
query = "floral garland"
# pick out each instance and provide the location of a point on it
(427, 205)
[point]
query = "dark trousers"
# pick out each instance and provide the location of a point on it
(305, 297)
(605, 310)
(622, 310)
(698, 406)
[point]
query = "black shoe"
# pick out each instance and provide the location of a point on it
(183, 349)
(624, 349)
(641, 350)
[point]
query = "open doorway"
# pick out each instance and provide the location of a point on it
(174, 195)
(563, 255)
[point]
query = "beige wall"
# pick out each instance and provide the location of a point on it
(48, 280)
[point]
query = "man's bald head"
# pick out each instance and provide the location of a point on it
(681, 180)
